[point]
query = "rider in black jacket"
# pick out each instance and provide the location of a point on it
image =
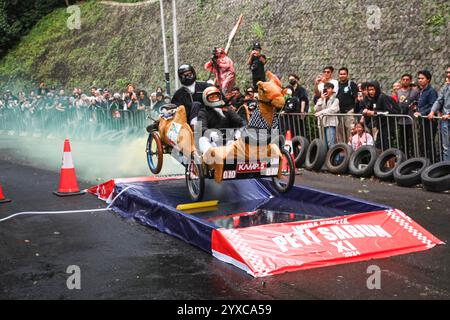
(214, 115)
(190, 93)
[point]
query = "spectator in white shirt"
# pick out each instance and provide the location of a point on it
(324, 77)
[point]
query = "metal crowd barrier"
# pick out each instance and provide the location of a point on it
(429, 137)
(416, 137)
(301, 124)
(83, 123)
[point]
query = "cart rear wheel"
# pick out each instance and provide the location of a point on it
(195, 180)
(285, 183)
(154, 152)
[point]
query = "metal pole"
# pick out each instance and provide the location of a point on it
(166, 63)
(175, 42)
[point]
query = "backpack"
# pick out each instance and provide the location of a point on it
(393, 106)
(292, 105)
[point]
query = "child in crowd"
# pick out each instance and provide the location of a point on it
(360, 137)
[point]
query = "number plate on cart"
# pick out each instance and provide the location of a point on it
(252, 169)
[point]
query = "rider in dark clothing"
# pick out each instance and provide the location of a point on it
(214, 115)
(213, 120)
(190, 93)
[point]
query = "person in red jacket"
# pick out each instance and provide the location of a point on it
(223, 68)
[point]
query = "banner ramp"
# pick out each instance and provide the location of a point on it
(263, 232)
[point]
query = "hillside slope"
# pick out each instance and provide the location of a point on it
(117, 44)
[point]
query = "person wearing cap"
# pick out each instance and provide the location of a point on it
(117, 105)
(256, 62)
(152, 99)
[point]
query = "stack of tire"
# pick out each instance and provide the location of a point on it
(368, 161)
(433, 177)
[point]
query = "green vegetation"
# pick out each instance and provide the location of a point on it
(121, 44)
(201, 4)
(23, 59)
(18, 17)
(437, 20)
(52, 48)
(258, 31)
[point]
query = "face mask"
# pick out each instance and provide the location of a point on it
(293, 82)
(187, 80)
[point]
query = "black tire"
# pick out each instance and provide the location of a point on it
(380, 170)
(300, 145)
(407, 174)
(315, 157)
(343, 150)
(154, 157)
(195, 180)
(436, 178)
(366, 155)
(285, 185)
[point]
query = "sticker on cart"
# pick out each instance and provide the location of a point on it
(271, 171)
(174, 132)
(229, 174)
(251, 167)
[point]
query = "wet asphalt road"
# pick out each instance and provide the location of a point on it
(121, 259)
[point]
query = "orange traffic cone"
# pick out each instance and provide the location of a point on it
(236, 222)
(290, 149)
(68, 185)
(2, 196)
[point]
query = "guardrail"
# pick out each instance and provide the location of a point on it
(85, 123)
(415, 136)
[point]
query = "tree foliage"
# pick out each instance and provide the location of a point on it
(17, 17)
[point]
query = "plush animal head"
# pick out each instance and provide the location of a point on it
(271, 92)
(270, 96)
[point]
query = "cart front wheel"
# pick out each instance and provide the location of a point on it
(195, 180)
(154, 152)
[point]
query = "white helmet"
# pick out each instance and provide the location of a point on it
(212, 97)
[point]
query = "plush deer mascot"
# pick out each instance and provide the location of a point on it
(264, 118)
(174, 130)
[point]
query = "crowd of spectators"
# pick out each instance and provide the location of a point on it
(361, 102)
(52, 100)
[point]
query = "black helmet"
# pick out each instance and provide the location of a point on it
(257, 45)
(187, 81)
